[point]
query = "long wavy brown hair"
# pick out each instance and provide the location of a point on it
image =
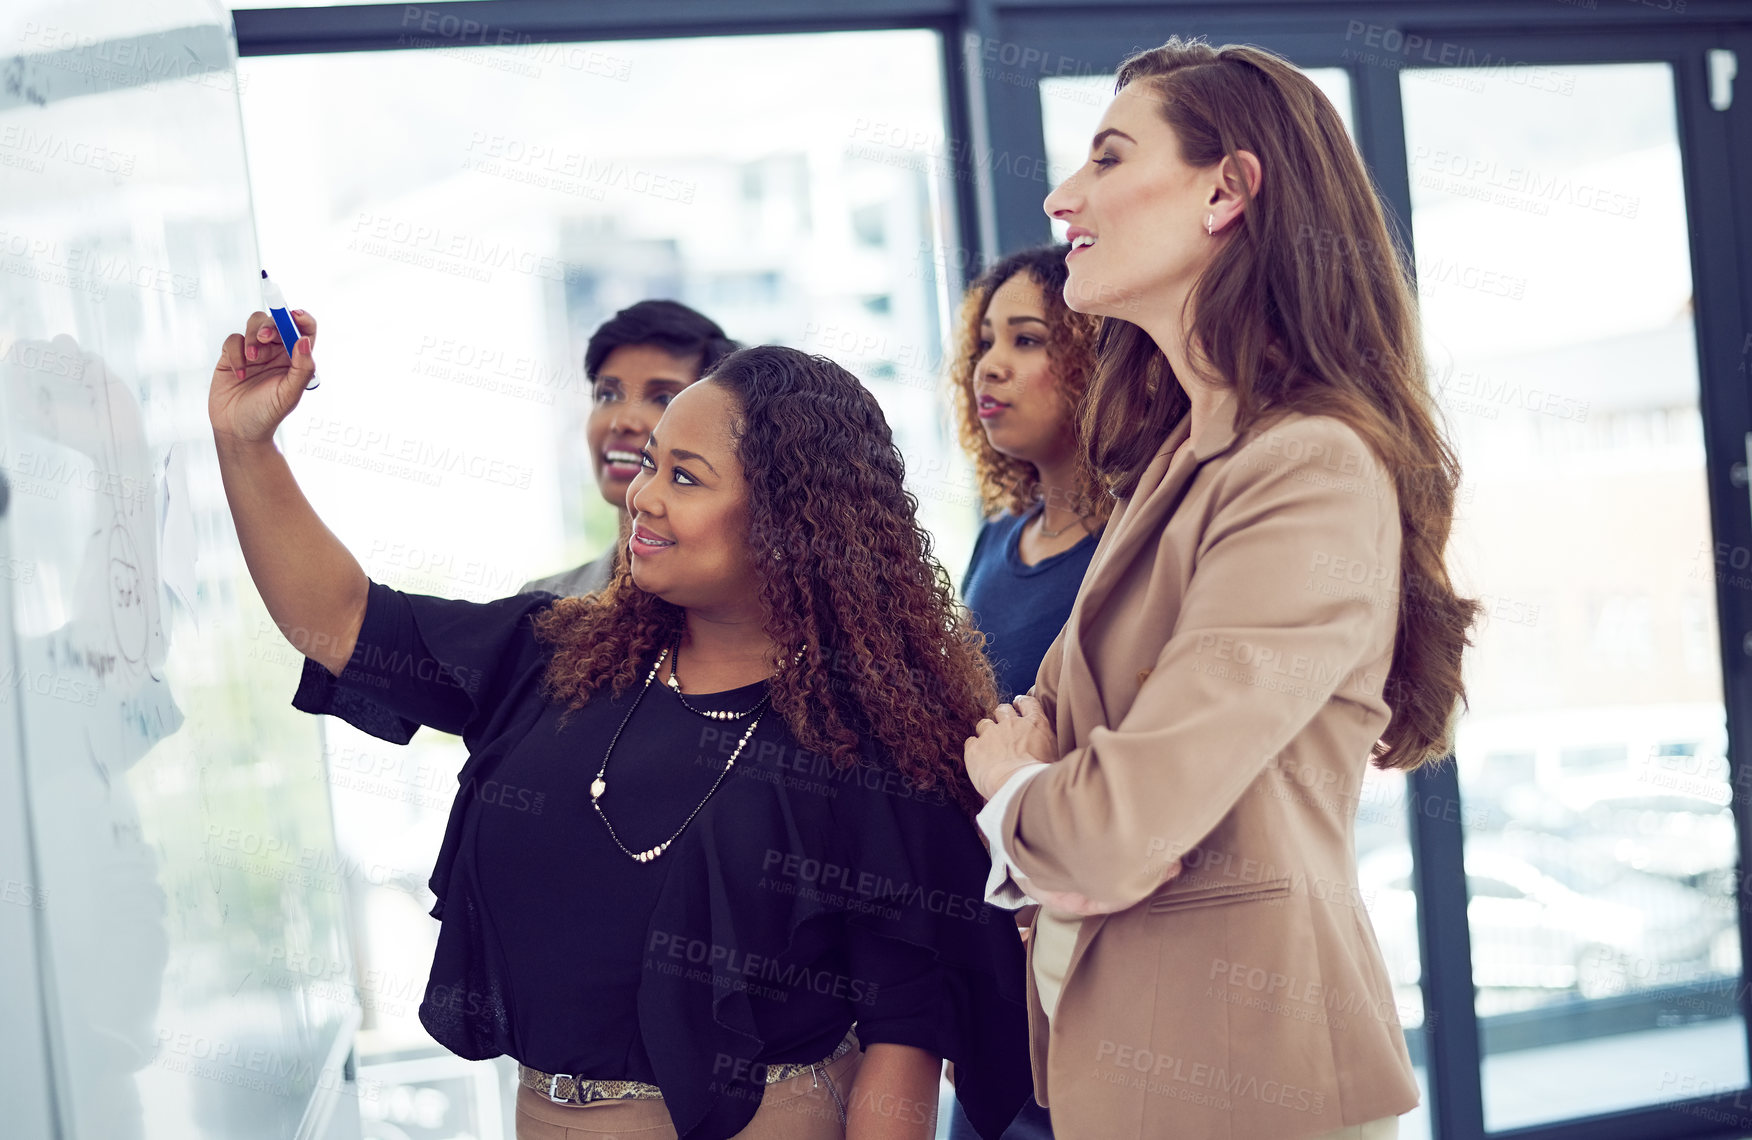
(1005, 482)
(891, 657)
(1309, 308)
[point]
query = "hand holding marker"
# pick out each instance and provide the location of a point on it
(275, 303)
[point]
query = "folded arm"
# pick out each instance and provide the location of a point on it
(1260, 645)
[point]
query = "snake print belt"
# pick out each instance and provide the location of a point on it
(564, 1088)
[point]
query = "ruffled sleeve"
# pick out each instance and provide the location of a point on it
(422, 660)
(472, 669)
(819, 897)
(965, 999)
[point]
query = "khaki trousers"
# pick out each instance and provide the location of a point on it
(798, 1108)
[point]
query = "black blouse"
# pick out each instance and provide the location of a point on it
(802, 898)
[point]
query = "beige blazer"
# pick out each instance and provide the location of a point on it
(1216, 691)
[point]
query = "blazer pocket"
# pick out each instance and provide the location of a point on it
(1172, 900)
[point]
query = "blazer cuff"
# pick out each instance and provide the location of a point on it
(1001, 886)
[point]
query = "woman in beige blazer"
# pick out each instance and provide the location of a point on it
(1266, 613)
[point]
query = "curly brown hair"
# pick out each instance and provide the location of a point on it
(1007, 483)
(891, 657)
(1310, 309)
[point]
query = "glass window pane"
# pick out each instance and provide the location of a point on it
(1556, 289)
(460, 263)
(1385, 884)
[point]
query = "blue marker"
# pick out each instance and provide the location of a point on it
(276, 306)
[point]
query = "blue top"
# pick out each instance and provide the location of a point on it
(1021, 608)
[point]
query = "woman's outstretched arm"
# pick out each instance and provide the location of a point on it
(313, 587)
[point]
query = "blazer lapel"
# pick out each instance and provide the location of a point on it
(1136, 531)
(1159, 490)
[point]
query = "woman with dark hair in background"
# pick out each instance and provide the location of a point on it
(1023, 360)
(671, 899)
(636, 362)
(1179, 792)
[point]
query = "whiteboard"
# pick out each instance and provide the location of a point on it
(172, 907)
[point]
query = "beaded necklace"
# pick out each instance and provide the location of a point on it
(599, 786)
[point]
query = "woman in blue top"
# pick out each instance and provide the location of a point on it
(1023, 361)
(1022, 364)
(670, 897)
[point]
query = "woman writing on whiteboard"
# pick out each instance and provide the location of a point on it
(669, 893)
(1267, 612)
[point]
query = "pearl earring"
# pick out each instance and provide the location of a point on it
(1210, 224)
